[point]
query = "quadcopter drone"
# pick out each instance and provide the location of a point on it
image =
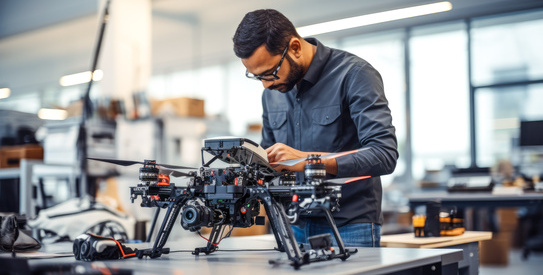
(231, 197)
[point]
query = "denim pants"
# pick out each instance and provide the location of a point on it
(353, 235)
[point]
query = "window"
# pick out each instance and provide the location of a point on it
(507, 48)
(385, 53)
(439, 98)
(28, 102)
(498, 115)
(244, 98)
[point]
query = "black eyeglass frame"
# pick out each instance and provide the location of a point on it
(269, 77)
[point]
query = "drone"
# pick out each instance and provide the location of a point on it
(231, 196)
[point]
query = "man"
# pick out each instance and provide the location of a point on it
(318, 99)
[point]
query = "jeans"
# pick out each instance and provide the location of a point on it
(353, 235)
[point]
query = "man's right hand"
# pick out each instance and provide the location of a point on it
(280, 152)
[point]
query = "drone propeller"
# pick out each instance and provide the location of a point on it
(342, 181)
(130, 162)
(292, 162)
(174, 173)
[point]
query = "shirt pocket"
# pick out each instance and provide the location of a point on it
(278, 125)
(326, 128)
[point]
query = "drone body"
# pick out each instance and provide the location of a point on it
(232, 196)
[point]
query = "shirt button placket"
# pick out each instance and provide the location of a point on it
(297, 129)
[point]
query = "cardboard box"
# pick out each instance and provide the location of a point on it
(180, 106)
(10, 156)
(508, 219)
(495, 251)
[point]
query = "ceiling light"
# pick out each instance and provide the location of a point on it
(80, 78)
(374, 18)
(4, 92)
(52, 114)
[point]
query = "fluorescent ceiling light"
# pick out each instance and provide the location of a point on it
(4, 93)
(374, 18)
(80, 78)
(52, 114)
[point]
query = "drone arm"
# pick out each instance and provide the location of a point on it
(210, 161)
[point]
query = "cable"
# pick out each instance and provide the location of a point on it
(230, 250)
(208, 239)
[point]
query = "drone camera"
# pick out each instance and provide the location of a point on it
(196, 216)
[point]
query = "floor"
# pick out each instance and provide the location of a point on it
(516, 266)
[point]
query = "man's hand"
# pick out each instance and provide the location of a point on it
(280, 152)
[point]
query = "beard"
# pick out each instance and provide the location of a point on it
(294, 76)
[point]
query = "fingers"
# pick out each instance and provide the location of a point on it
(281, 152)
(270, 152)
(275, 152)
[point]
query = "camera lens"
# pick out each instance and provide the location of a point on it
(190, 215)
(196, 216)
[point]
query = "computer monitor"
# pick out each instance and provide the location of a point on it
(531, 133)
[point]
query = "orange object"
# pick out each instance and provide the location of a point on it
(163, 179)
(418, 225)
(453, 232)
(118, 244)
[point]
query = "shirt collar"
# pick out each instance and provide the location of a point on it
(319, 61)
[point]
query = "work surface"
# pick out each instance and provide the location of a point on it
(250, 255)
(409, 240)
(480, 199)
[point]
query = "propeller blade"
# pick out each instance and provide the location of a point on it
(289, 162)
(130, 162)
(174, 166)
(174, 173)
(337, 155)
(118, 162)
(292, 162)
(342, 181)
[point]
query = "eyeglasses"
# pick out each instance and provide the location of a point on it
(268, 77)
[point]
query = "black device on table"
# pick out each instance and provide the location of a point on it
(232, 195)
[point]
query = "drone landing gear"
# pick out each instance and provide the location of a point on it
(322, 245)
(158, 249)
(213, 242)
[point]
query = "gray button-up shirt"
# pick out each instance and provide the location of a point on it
(338, 106)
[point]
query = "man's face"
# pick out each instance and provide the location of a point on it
(263, 63)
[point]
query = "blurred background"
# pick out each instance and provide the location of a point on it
(465, 86)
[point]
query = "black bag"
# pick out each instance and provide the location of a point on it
(12, 238)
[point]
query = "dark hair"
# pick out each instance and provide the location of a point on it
(258, 27)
